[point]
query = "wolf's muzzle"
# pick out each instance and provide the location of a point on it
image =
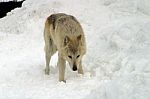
(74, 68)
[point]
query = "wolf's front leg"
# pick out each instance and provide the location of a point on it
(80, 70)
(61, 65)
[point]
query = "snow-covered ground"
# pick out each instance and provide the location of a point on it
(117, 63)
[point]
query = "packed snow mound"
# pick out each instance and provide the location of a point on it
(117, 63)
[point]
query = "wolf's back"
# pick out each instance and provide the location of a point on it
(52, 19)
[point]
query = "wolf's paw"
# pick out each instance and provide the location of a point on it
(62, 81)
(47, 71)
(80, 72)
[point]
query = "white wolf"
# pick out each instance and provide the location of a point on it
(63, 33)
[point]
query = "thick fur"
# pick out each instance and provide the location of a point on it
(63, 33)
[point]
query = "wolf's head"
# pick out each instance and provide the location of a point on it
(73, 51)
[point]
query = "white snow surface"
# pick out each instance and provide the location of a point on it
(117, 63)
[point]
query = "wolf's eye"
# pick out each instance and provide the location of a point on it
(70, 57)
(78, 56)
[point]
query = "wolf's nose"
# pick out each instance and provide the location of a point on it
(74, 67)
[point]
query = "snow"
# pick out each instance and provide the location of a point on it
(116, 64)
(144, 6)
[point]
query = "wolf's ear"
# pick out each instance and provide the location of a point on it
(79, 37)
(66, 40)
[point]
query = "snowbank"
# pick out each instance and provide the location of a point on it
(144, 6)
(117, 60)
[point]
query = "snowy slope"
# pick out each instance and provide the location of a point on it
(116, 64)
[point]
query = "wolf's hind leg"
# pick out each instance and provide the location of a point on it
(47, 56)
(50, 49)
